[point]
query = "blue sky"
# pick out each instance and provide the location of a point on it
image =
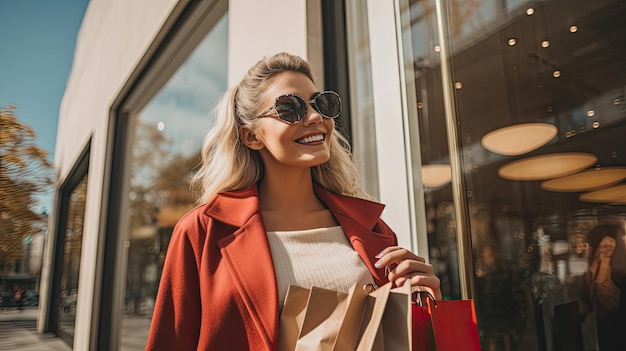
(37, 40)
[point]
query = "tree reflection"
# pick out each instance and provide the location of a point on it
(159, 195)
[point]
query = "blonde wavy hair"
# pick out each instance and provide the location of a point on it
(227, 164)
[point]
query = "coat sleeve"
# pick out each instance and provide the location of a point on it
(177, 313)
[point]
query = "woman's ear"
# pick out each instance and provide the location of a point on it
(250, 139)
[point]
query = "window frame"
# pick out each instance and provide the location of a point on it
(78, 172)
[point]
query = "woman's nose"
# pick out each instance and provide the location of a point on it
(312, 116)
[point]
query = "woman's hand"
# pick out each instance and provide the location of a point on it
(401, 264)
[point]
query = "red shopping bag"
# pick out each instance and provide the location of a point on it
(446, 325)
(422, 329)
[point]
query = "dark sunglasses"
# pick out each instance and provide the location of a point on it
(291, 108)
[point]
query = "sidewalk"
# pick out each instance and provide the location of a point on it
(18, 332)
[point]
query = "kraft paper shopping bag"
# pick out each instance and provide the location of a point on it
(372, 338)
(324, 315)
(396, 323)
(348, 336)
(292, 317)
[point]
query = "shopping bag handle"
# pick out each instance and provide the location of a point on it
(369, 287)
(417, 298)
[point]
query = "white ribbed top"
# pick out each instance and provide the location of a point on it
(320, 257)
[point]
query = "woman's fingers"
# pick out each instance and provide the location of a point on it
(401, 264)
(410, 266)
(420, 282)
(395, 254)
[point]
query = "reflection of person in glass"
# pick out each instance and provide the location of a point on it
(282, 204)
(607, 268)
(579, 245)
(18, 295)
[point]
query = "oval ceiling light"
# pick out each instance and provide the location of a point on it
(613, 195)
(143, 232)
(518, 139)
(592, 179)
(434, 176)
(548, 166)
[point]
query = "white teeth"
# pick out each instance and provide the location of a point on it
(310, 139)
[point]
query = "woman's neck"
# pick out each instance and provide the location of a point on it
(289, 191)
(288, 202)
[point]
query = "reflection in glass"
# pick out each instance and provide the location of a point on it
(593, 179)
(613, 195)
(71, 258)
(547, 166)
(518, 139)
(556, 62)
(435, 176)
(165, 148)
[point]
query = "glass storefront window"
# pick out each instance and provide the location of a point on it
(538, 109)
(166, 137)
(361, 94)
(73, 243)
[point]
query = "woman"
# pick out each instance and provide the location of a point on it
(281, 204)
(607, 281)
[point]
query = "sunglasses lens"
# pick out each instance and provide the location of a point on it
(290, 108)
(328, 104)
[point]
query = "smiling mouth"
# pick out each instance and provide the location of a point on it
(311, 139)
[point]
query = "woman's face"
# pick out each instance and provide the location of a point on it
(606, 247)
(301, 144)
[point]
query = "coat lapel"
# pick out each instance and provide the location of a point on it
(359, 220)
(246, 252)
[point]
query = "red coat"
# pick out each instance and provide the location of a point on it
(218, 288)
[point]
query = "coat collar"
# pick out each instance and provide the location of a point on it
(246, 201)
(246, 250)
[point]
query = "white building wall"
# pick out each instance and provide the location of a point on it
(388, 114)
(256, 30)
